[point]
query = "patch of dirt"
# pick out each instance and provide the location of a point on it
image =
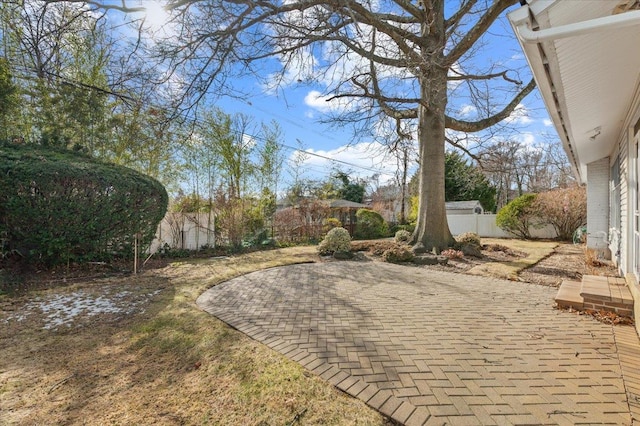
(368, 250)
(604, 317)
(18, 279)
(566, 262)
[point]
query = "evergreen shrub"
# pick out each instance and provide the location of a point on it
(517, 216)
(402, 236)
(58, 206)
(336, 240)
(468, 239)
(370, 225)
(399, 253)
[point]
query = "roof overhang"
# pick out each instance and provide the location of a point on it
(585, 57)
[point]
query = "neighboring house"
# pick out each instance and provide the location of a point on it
(387, 200)
(585, 56)
(315, 211)
(345, 211)
(464, 207)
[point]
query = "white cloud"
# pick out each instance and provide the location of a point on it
(527, 139)
(455, 70)
(298, 68)
(547, 122)
(323, 103)
(467, 110)
(520, 115)
(360, 160)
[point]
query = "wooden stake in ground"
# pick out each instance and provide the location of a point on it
(135, 253)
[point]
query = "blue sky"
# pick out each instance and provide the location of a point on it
(298, 109)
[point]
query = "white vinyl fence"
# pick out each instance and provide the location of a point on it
(191, 231)
(485, 226)
(188, 231)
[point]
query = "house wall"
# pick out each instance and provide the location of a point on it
(625, 150)
(598, 206)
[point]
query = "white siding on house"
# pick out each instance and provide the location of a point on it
(598, 205)
(618, 247)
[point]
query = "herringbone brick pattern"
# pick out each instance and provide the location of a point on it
(426, 347)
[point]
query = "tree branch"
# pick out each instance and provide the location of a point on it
(474, 126)
(460, 77)
(483, 24)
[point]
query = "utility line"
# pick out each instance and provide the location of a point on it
(200, 121)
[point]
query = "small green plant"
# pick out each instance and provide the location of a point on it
(398, 254)
(468, 239)
(336, 240)
(402, 236)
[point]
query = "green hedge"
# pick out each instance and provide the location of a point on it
(59, 206)
(370, 225)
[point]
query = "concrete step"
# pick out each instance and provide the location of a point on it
(596, 293)
(569, 295)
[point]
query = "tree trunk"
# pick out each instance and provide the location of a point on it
(432, 232)
(403, 195)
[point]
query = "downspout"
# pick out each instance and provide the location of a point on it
(622, 20)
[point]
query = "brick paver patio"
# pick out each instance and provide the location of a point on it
(427, 347)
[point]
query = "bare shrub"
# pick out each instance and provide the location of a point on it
(565, 209)
(452, 254)
(304, 222)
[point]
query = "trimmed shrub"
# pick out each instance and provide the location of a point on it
(330, 223)
(468, 239)
(58, 206)
(369, 225)
(336, 240)
(398, 254)
(402, 236)
(516, 217)
(406, 227)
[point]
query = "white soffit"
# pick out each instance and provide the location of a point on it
(595, 76)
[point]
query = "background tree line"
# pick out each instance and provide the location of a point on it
(66, 80)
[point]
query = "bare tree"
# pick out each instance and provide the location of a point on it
(514, 169)
(390, 58)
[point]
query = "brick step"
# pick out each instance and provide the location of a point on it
(596, 293)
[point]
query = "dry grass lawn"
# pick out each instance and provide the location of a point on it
(148, 355)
